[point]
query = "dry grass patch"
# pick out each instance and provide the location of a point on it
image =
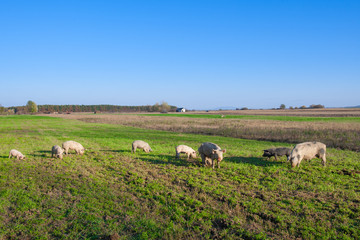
(325, 112)
(344, 135)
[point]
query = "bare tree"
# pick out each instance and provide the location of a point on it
(164, 107)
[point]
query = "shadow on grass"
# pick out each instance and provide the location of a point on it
(115, 151)
(41, 153)
(165, 159)
(5, 156)
(257, 161)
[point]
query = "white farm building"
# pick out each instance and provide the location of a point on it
(180, 110)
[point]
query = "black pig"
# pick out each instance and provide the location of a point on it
(275, 152)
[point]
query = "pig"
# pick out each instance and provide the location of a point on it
(307, 151)
(185, 149)
(275, 152)
(210, 152)
(72, 145)
(142, 145)
(17, 154)
(57, 151)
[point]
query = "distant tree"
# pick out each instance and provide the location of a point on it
(2, 109)
(291, 107)
(10, 111)
(164, 107)
(316, 106)
(31, 107)
(244, 108)
(303, 107)
(282, 106)
(156, 107)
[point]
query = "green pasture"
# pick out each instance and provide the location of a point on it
(263, 117)
(111, 193)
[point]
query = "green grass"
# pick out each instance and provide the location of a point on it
(260, 117)
(111, 191)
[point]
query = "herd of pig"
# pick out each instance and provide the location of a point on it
(56, 150)
(209, 152)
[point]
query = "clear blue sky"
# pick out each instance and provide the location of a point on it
(193, 54)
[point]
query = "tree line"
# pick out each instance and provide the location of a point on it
(31, 107)
(312, 106)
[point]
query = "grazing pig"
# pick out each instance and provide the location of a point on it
(17, 154)
(307, 151)
(142, 145)
(57, 151)
(185, 149)
(275, 152)
(210, 152)
(72, 145)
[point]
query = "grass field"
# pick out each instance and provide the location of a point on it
(336, 132)
(110, 193)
